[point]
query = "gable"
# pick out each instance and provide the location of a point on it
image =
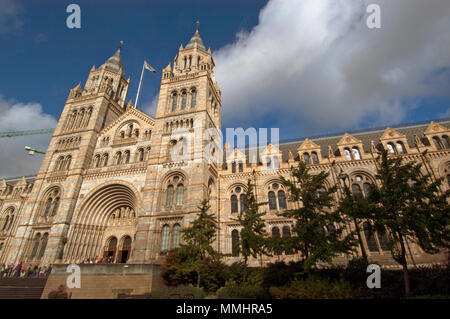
(347, 139)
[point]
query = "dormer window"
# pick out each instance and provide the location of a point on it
(400, 147)
(315, 158)
(356, 154)
(347, 154)
(306, 158)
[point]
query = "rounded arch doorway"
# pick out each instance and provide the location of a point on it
(125, 249)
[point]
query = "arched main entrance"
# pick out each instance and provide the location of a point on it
(105, 224)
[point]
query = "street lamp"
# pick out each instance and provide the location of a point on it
(31, 151)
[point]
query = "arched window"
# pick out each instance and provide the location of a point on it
(391, 148)
(36, 241)
(446, 141)
(306, 158)
(234, 204)
(233, 167)
(235, 243)
(348, 155)
(275, 232)
(141, 155)
(356, 189)
(286, 231)
(370, 237)
(176, 236)
(174, 102)
(165, 234)
(97, 161)
(43, 246)
(356, 154)
(242, 199)
(272, 200)
(118, 158)
(169, 195)
(180, 194)
(241, 167)
(48, 205)
(437, 142)
(282, 199)
(183, 100)
(367, 187)
(193, 98)
(400, 147)
(60, 164)
(315, 158)
(105, 159)
(68, 161)
(55, 206)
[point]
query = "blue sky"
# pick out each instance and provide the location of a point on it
(308, 67)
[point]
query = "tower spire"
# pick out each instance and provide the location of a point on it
(198, 23)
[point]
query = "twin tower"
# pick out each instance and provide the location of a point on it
(107, 186)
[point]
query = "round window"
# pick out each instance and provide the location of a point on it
(238, 189)
(275, 186)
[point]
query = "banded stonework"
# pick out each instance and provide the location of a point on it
(108, 187)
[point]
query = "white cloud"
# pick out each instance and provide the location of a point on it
(9, 16)
(15, 116)
(313, 65)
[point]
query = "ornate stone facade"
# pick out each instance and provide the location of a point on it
(108, 187)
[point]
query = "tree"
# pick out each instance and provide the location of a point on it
(355, 207)
(199, 238)
(252, 238)
(411, 207)
(318, 228)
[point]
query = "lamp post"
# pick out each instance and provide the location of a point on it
(31, 151)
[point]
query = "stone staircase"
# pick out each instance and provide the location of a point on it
(22, 288)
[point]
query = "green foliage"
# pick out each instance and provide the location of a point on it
(197, 251)
(243, 291)
(313, 215)
(179, 292)
(313, 288)
(252, 240)
(412, 207)
(280, 273)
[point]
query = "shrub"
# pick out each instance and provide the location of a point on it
(179, 292)
(243, 291)
(313, 288)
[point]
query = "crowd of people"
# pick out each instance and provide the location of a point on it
(18, 271)
(96, 260)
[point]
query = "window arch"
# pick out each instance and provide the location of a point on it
(8, 219)
(286, 231)
(140, 155)
(234, 204)
(43, 246)
(118, 158)
(169, 195)
(315, 158)
(105, 158)
(193, 97)
(96, 161)
(272, 200)
(400, 147)
(183, 100)
(348, 155)
(235, 243)
(165, 235)
(437, 142)
(176, 236)
(282, 199)
(37, 239)
(356, 153)
(237, 199)
(51, 202)
(446, 141)
(127, 156)
(174, 101)
(391, 148)
(306, 158)
(242, 199)
(356, 189)
(180, 194)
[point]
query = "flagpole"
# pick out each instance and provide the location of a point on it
(139, 87)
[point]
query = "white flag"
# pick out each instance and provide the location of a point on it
(148, 67)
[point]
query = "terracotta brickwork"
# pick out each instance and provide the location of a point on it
(109, 187)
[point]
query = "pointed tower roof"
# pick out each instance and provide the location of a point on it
(114, 63)
(196, 39)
